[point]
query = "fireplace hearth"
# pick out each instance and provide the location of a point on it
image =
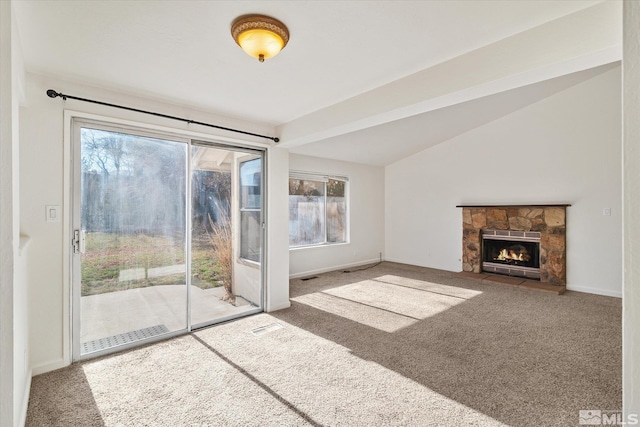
(527, 241)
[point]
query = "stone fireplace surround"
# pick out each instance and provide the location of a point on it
(549, 220)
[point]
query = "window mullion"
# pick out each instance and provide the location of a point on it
(326, 229)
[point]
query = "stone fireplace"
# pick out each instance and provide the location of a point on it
(526, 241)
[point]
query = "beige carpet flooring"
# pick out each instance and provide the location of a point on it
(393, 345)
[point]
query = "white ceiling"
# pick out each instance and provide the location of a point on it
(182, 52)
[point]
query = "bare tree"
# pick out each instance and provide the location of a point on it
(104, 150)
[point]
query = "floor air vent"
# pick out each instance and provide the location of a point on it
(120, 339)
(267, 328)
(309, 278)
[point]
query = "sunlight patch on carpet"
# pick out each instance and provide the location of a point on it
(438, 288)
(414, 303)
(363, 314)
(388, 303)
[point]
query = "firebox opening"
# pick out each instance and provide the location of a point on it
(514, 253)
(511, 252)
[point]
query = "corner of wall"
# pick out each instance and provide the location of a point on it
(277, 288)
(25, 400)
(17, 62)
(631, 196)
(14, 325)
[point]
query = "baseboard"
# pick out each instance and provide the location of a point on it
(48, 367)
(280, 306)
(594, 291)
(25, 399)
(333, 268)
(400, 261)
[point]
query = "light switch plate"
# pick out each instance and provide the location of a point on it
(606, 211)
(53, 213)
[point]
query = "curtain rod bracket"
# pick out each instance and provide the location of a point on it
(53, 94)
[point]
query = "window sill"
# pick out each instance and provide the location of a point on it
(322, 245)
(248, 263)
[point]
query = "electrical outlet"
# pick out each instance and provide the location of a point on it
(606, 211)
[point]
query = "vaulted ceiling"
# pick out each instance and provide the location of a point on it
(355, 74)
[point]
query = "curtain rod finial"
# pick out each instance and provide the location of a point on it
(52, 93)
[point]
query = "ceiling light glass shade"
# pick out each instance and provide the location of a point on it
(260, 36)
(261, 43)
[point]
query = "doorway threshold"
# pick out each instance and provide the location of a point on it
(125, 338)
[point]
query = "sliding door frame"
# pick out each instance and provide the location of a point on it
(71, 309)
(259, 153)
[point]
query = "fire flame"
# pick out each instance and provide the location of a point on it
(506, 255)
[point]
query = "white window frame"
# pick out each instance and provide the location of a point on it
(323, 177)
(238, 255)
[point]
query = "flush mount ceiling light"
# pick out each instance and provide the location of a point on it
(260, 36)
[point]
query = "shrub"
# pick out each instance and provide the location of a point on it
(221, 239)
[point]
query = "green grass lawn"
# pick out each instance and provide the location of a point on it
(107, 254)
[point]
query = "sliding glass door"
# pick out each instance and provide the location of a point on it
(226, 272)
(158, 234)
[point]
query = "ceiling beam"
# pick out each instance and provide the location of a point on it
(576, 42)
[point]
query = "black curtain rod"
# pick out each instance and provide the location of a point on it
(53, 94)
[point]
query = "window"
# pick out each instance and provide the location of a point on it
(317, 209)
(250, 202)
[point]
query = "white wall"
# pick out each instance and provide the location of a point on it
(563, 149)
(277, 229)
(15, 374)
(7, 235)
(631, 298)
(44, 168)
(22, 368)
(366, 218)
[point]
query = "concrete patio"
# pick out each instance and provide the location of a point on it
(109, 314)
